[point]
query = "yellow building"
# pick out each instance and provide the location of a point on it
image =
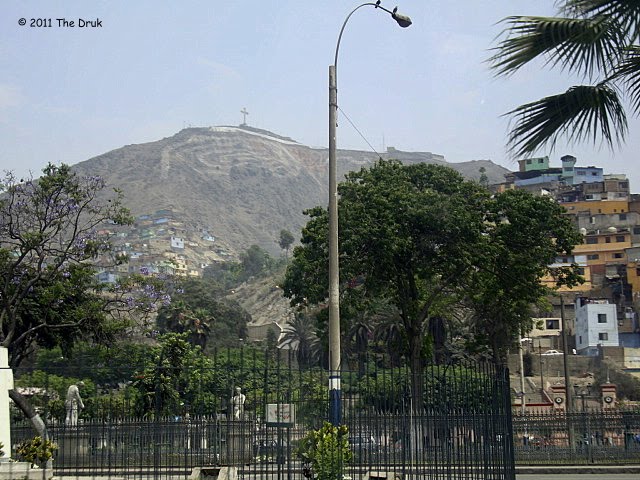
(605, 250)
(594, 207)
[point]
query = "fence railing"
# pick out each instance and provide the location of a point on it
(144, 430)
(590, 437)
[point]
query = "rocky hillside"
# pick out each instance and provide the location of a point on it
(240, 185)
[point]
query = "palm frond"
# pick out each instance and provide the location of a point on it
(626, 13)
(579, 113)
(629, 73)
(581, 45)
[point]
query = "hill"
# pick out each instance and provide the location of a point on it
(238, 185)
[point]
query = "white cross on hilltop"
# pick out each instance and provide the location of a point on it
(244, 116)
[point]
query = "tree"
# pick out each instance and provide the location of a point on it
(596, 39)
(177, 378)
(198, 310)
(407, 233)
(414, 236)
(179, 318)
(300, 336)
(285, 241)
(255, 261)
(524, 236)
(49, 246)
(483, 180)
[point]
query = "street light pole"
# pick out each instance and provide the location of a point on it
(334, 268)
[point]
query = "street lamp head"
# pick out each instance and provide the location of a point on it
(403, 20)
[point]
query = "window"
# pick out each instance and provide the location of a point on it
(592, 220)
(636, 230)
(602, 318)
(580, 339)
(618, 255)
(593, 256)
(603, 336)
(594, 173)
(581, 271)
(619, 238)
(607, 240)
(540, 160)
(553, 324)
(592, 240)
(529, 162)
(622, 216)
(581, 172)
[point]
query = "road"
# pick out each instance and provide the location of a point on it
(578, 476)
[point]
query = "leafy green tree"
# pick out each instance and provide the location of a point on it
(106, 366)
(595, 39)
(525, 235)
(177, 378)
(196, 323)
(198, 310)
(47, 243)
(255, 262)
(415, 235)
(483, 180)
(407, 234)
(285, 241)
(49, 246)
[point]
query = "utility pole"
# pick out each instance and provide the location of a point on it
(567, 385)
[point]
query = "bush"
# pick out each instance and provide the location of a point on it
(327, 451)
(36, 451)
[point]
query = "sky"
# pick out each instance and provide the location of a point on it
(146, 69)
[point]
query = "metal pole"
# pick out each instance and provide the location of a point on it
(334, 269)
(565, 360)
(334, 275)
(523, 402)
(541, 368)
(567, 385)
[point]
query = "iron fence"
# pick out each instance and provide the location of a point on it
(588, 437)
(155, 424)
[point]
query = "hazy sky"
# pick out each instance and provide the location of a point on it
(153, 67)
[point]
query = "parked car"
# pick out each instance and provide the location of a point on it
(552, 352)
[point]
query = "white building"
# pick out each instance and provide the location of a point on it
(596, 324)
(177, 242)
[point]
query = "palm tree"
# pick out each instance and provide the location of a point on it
(180, 318)
(358, 341)
(389, 331)
(300, 336)
(596, 39)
